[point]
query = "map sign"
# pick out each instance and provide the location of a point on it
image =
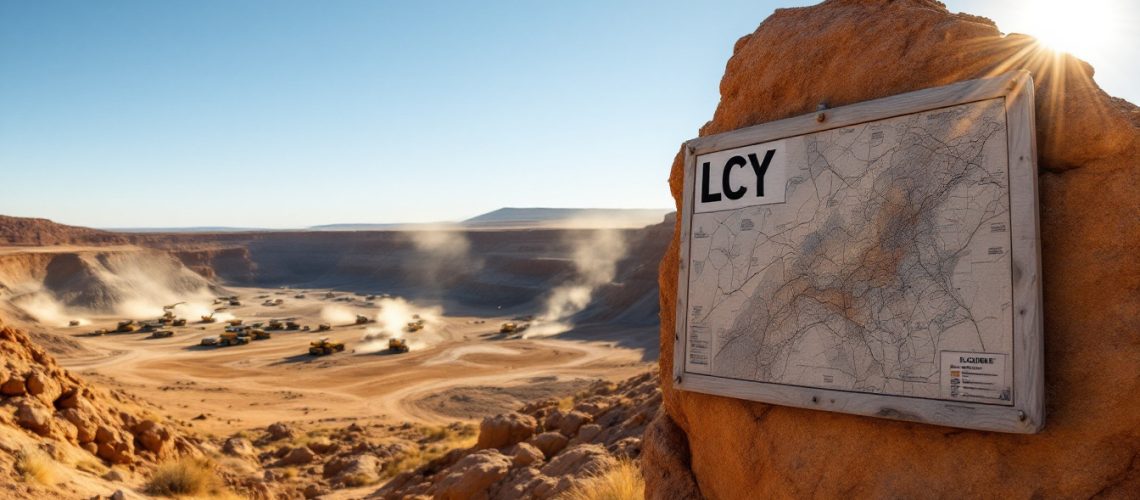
(866, 258)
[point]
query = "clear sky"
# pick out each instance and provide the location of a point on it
(283, 113)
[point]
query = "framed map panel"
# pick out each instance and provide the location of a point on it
(880, 259)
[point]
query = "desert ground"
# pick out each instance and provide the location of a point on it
(459, 367)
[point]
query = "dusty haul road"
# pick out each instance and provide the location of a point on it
(459, 368)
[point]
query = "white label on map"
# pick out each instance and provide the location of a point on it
(741, 177)
(976, 377)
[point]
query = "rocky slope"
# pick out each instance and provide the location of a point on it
(543, 449)
(80, 429)
(846, 51)
(93, 441)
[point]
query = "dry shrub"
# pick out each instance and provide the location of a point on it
(185, 477)
(36, 466)
(621, 482)
(91, 467)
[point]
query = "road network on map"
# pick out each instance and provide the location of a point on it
(891, 250)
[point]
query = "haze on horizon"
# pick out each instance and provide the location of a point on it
(285, 114)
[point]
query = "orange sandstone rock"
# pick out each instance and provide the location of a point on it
(846, 51)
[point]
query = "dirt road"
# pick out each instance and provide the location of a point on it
(272, 380)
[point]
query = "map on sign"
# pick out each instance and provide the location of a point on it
(878, 260)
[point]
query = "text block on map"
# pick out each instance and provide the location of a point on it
(879, 259)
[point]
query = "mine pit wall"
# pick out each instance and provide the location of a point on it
(842, 52)
(95, 279)
(514, 269)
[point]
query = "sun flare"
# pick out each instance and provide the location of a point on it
(1084, 29)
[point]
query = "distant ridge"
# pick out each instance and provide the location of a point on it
(38, 232)
(194, 229)
(567, 217)
(30, 231)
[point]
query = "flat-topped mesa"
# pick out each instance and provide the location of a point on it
(843, 52)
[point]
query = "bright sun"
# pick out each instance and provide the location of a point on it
(1084, 28)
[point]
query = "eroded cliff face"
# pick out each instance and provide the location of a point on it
(846, 51)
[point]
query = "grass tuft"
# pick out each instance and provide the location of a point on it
(621, 482)
(185, 477)
(36, 466)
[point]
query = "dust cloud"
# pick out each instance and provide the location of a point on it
(595, 259)
(135, 285)
(41, 306)
(392, 320)
(444, 255)
(338, 315)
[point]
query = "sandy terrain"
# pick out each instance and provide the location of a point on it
(459, 368)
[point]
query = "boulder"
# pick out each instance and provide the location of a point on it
(472, 476)
(353, 471)
(152, 436)
(628, 448)
(314, 491)
(569, 424)
(323, 447)
(13, 387)
(238, 447)
(278, 431)
(36, 383)
(579, 461)
(34, 418)
(549, 443)
(587, 433)
(116, 452)
(504, 430)
(298, 456)
(524, 454)
(846, 51)
(69, 399)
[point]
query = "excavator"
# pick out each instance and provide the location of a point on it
(209, 319)
(324, 347)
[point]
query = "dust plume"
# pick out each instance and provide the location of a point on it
(338, 315)
(391, 322)
(444, 255)
(595, 259)
(41, 306)
(135, 285)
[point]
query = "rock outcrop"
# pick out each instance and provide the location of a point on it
(565, 450)
(847, 51)
(41, 398)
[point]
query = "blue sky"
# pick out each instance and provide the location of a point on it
(288, 114)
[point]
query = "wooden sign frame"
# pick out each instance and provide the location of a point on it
(1027, 413)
